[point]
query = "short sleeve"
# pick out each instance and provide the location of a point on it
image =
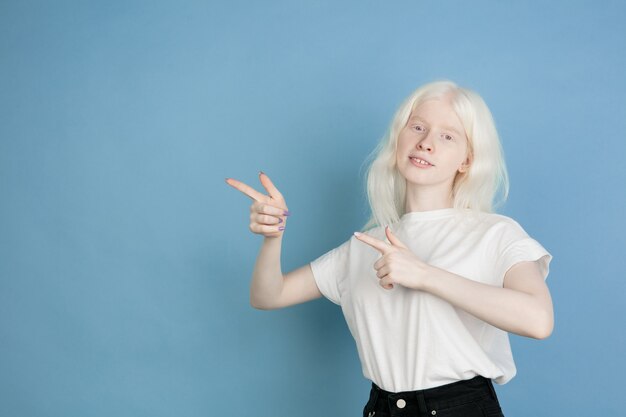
(515, 245)
(330, 270)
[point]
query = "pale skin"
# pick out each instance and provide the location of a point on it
(523, 304)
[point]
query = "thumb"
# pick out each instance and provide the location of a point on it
(393, 239)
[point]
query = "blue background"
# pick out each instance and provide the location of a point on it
(126, 259)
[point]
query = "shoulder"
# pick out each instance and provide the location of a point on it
(496, 220)
(507, 223)
(493, 226)
(504, 232)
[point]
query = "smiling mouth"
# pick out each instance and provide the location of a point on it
(420, 162)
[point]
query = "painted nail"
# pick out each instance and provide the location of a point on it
(261, 172)
(286, 213)
(281, 228)
(280, 220)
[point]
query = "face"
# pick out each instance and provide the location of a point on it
(434, 134)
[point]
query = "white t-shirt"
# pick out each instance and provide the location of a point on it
(408, 339)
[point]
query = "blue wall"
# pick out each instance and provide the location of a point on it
(125, 259)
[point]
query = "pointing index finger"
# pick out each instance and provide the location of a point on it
(246, 189)
(379, 245)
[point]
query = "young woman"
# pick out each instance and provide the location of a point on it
(433, 287)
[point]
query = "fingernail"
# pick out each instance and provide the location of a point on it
(281, 228)
(286, 213)
(261, 172)
(280, 220)
(357, 234)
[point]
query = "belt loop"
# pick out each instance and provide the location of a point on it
(491, 388)
(421, 402)
(375, 394)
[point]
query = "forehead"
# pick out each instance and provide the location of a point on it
(439, 113)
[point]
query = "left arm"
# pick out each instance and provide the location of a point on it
(522, 306)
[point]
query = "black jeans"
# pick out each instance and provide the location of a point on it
(474, 397)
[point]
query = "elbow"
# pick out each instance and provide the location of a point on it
(259, 306)
(543, 328)
(542, 333)
(256, 305)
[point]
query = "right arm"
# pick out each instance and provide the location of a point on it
(269, 289)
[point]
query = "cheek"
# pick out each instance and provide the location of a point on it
(401, 152)
(398, 161)
(464, 154)
(402, 145)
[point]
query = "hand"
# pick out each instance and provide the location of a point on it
(398, 264)
(268, 214)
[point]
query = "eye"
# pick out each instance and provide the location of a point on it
(419, 128)
(448, 137)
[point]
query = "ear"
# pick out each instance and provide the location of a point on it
(465, 165)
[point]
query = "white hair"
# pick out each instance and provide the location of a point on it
(474, 189)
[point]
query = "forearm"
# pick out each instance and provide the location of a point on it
(267, 277)
(510, 310)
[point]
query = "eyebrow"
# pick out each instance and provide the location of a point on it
(445, 127)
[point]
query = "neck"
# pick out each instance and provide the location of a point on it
(427, 198)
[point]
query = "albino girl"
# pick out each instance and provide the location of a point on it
(436, 279)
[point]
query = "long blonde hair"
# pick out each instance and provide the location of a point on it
(475, 189)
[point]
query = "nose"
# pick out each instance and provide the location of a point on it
(425, 144)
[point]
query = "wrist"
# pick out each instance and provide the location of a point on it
(431, 278)
(272, 239)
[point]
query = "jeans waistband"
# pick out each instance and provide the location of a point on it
(447, 395)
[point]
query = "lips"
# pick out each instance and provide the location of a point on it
(420, 161)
